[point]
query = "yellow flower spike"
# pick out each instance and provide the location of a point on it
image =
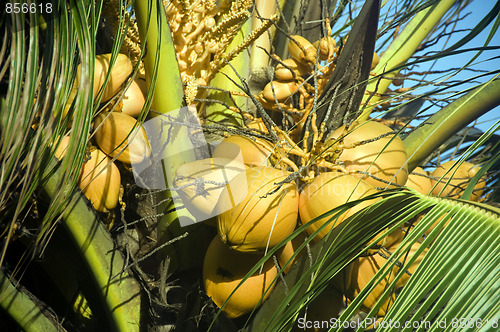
(212, 46)
(199, 48)
(179, 41)
(190, 37)
(186, 29)
(209, 22)
(182, 65)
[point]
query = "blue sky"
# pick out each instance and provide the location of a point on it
(477, 9)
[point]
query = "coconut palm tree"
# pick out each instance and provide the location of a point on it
(68, 265)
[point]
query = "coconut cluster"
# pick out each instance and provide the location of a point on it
(257, 191)
(251, 222)
(117, 136)
(293, 77)
(259, 186)
(254, 190)
(253, 215)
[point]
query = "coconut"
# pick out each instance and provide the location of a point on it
(121, 70)
(323, 310)
(281, 90)
(326, 47)
(134, 98)
(293, 70)
(375, 61)
(297, 52)
(266, 215)
(364, 268)
(100, 181)
(288, 250)
(62, 148)
(327, 191)
(251, 152)
(120, 135)
(451, 181)
(201, 183)
(420, 181)
(223, 271)
(383, 158)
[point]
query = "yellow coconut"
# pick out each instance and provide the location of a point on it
(460, 178)
(326, 47)
(223, 271)
(420, 181)
(201, 184)
(120, 135)
(62, 148)
(121, 70)
(291, 70)
(100, 181)
(266, 215)
(390, 239)
(286, 252)
(281, 90)
(302, 50)
(251, 152)
(383, 158)
(447, 215)
(134, 98)
(327, 191)
(364, 268)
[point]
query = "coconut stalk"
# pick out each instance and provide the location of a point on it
(400, 50)
(259, 59)
(118, 291)
(184, 241)
(21, 307)
(163, 77)
(434, 131)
